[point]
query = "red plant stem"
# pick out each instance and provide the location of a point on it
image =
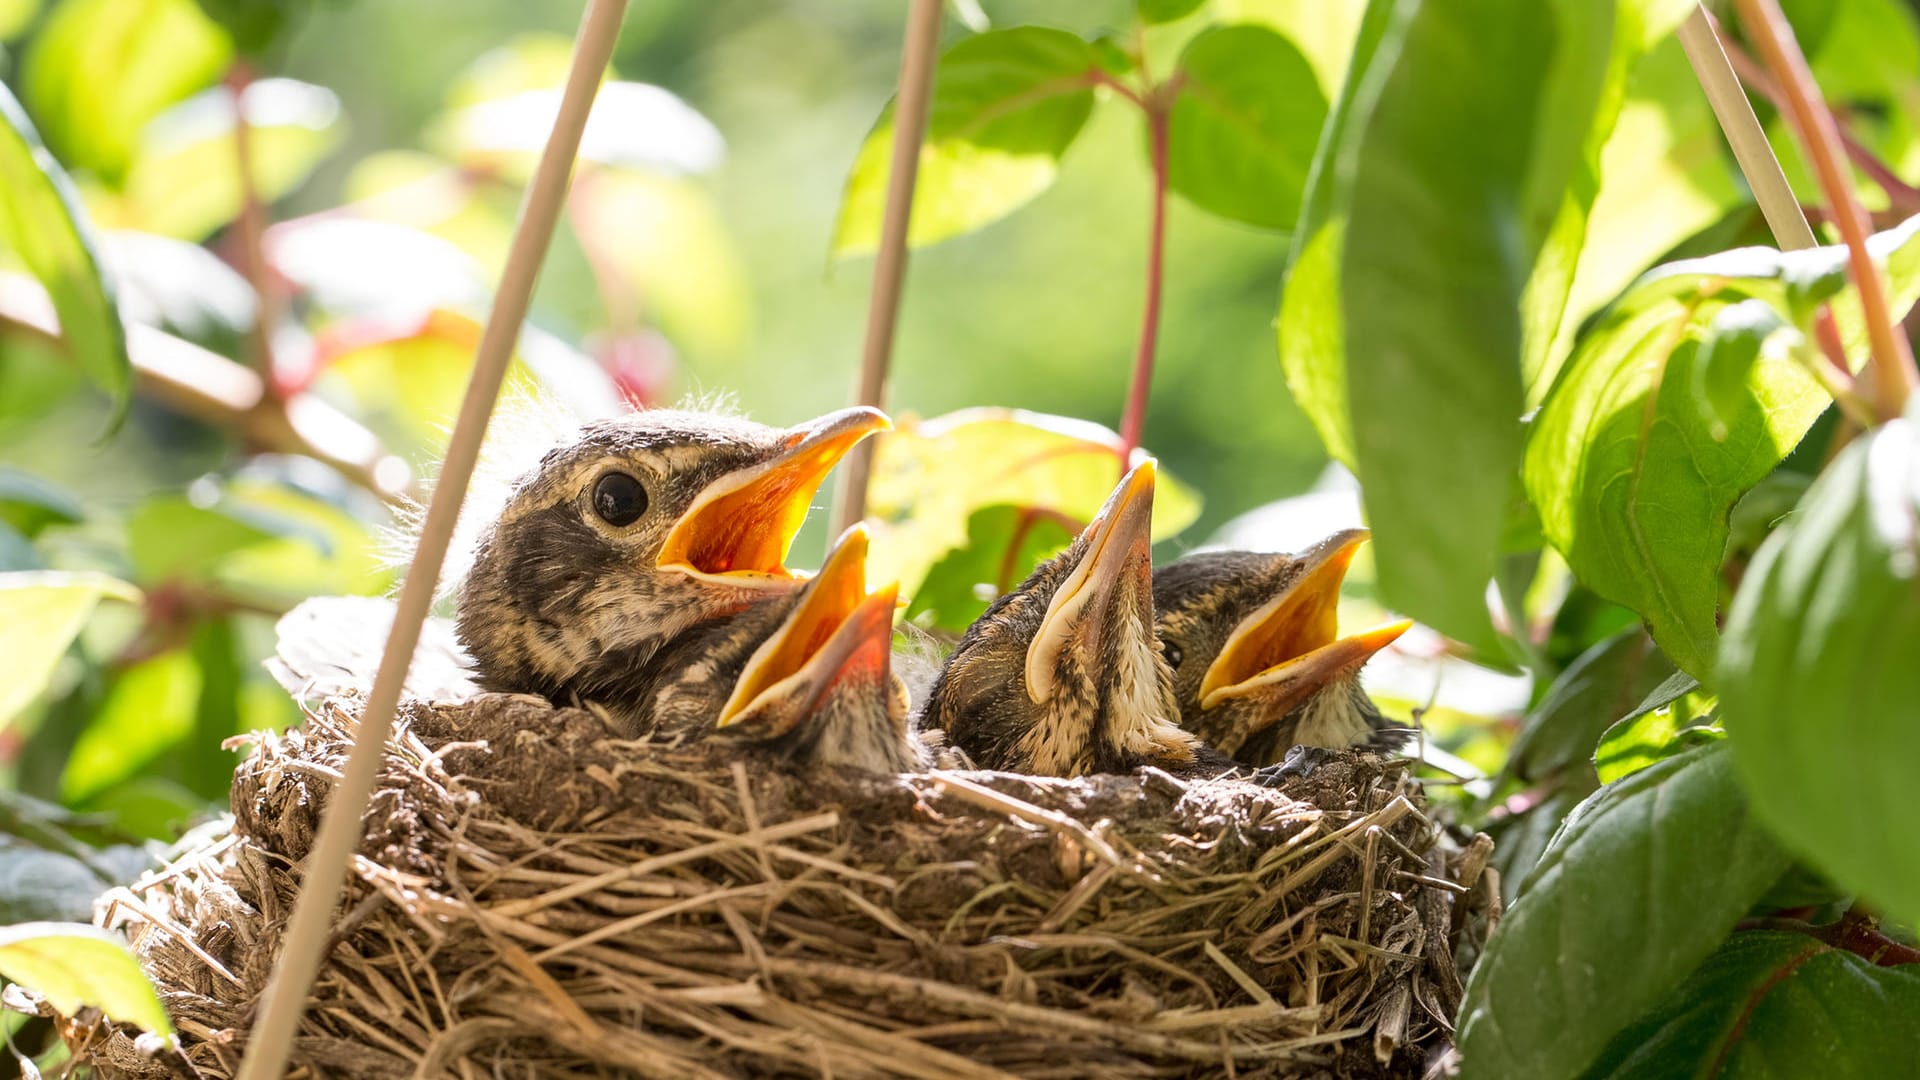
(1856, 932)
(251, 228)
(1900, 193)
(1134, 420)
(1893, 373)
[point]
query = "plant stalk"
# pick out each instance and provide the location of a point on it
(911, 103)
(1133, 421)
(284, 1001)
(1893, 375)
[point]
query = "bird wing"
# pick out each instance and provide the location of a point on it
(332, 644)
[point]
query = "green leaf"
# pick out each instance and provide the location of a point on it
(41, 612)
(1817, 690)
(1676, 716)
(170, 538)
(17, 552)
(30, 504)
(1775, 1004)
(1323, 30)
(40, 884)
(1164, 11)
(41, 222)
(1004, 544)
(1631, 485)
(1006, 105)
(99, 70)
(1737, 339)
(1244, 124)
(74, 965)
(148, 709)
(1619, 910)
(1599, 687)
(930, 476)
(185, 182)
(254, 25)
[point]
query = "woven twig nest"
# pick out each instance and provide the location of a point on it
(537, 898)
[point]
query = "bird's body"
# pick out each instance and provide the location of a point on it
(1258, 665)
(1063, 676)
(621, 562)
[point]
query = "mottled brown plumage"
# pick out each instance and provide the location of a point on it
(1063, 675)
(620, 567)
(1257, 665)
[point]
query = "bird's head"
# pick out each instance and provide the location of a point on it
(639, 530)
(1257, 658)
(820, 690)
(1063, 675)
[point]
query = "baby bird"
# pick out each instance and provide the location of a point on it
(1063, 676)
(1258, 666)
(819, 690)
(632, 551)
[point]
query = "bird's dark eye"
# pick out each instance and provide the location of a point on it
(619, 499)
(1172, 652)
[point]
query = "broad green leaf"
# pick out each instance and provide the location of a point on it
(1775, 1004)
(929, 476)
(41, 612)
(1242, 131)
(185, 182)
(1816, 686)
(1006, 105)
(99, 70)
(254, 26)
(30, 504)
(1621, 462)
(174, 538)
(17, 552)
(74, 965)
(1520, 839)
(1739, 337)
(1617, 913)
(16, 16)
(1323, 30)
(148, 709)
(41, 223)
(1598, 688)
(1004, 544)
(1161, 11)
(1676, 716)
(40, 884)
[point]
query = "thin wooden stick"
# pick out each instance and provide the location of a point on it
(890, 262)
(1893, 372)
(271, 1041)
(1744, 134)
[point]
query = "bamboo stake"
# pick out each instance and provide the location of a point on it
(890, 263)
(1744, 134)
(271, 1040)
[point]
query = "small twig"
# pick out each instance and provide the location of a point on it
(910, 108)
(284, 1000)
(1134, 421)
(251, 227)
(1891, 362)
(1856, 932)
(1707, 53)
(1900, 193)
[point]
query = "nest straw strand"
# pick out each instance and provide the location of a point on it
(536, 898)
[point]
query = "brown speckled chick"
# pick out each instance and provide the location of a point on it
(819, 691)
(1258, 665)
(1063, 676)
(634, 550)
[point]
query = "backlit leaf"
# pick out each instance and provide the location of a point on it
(1677, 715)
(42, 224)
(1004, 544)
(1622, 462)
(1616, 914)
(1006, 105)
(1816, 688)
(41, 612)
(30, 504)
(148, 709)
(1243, 127)
(1601, 686)
(74, 965)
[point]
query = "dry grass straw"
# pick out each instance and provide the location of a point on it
(534, 898)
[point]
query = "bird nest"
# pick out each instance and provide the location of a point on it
(534, 897)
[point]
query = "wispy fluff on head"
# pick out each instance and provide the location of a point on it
(525, 427)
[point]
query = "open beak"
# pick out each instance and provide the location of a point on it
(1291, 647)
(740, 527)
(1119, 548)
(837, 632)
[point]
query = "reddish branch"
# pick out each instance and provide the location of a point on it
(1894, 376)
(1157, 104)
(1856, 932)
